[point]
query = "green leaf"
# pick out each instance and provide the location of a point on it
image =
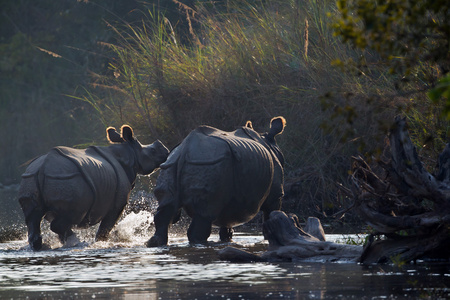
(442, 89)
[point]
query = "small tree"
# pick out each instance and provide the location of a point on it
(412, 37)
(405, 43)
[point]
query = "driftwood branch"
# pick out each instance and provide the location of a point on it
(289, 242)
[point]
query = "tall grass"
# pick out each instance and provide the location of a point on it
(251, 60)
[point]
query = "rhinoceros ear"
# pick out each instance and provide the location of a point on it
(277, 125)
(113, 136)
(127, 133)
(249, 124)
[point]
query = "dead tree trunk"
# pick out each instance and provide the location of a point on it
(408, 207)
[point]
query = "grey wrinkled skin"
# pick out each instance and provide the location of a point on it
(219, 178)
(83, 187)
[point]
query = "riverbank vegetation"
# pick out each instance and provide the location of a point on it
(225, 62)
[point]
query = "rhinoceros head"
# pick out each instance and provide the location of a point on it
(144, 159)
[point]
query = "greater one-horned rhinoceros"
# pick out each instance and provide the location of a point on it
(85, 186)
(220, 178)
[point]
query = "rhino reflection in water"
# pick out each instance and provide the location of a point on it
(85, 186)
(219, 178)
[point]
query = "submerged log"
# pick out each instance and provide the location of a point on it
(288, 242)
(236, 255)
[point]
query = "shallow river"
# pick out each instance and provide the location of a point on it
(123, 268)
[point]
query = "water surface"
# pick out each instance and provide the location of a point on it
(123, 268)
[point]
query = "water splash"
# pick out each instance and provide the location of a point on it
(134, 227)
(12, 232)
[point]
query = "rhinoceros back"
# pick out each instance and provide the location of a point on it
(224, 176)
(81, 179)
(196, 149)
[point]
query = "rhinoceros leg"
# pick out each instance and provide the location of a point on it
(226, 234)
(33, 214)
(199, 230)
(33, 221)
(107, 224)
(62, 226)
(163, 218)
(270, 205)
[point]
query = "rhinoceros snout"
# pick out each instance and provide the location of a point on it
(162, 150)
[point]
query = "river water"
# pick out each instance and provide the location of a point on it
(124, 268)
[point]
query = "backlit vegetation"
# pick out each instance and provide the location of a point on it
(222, 63)
(251, 60)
